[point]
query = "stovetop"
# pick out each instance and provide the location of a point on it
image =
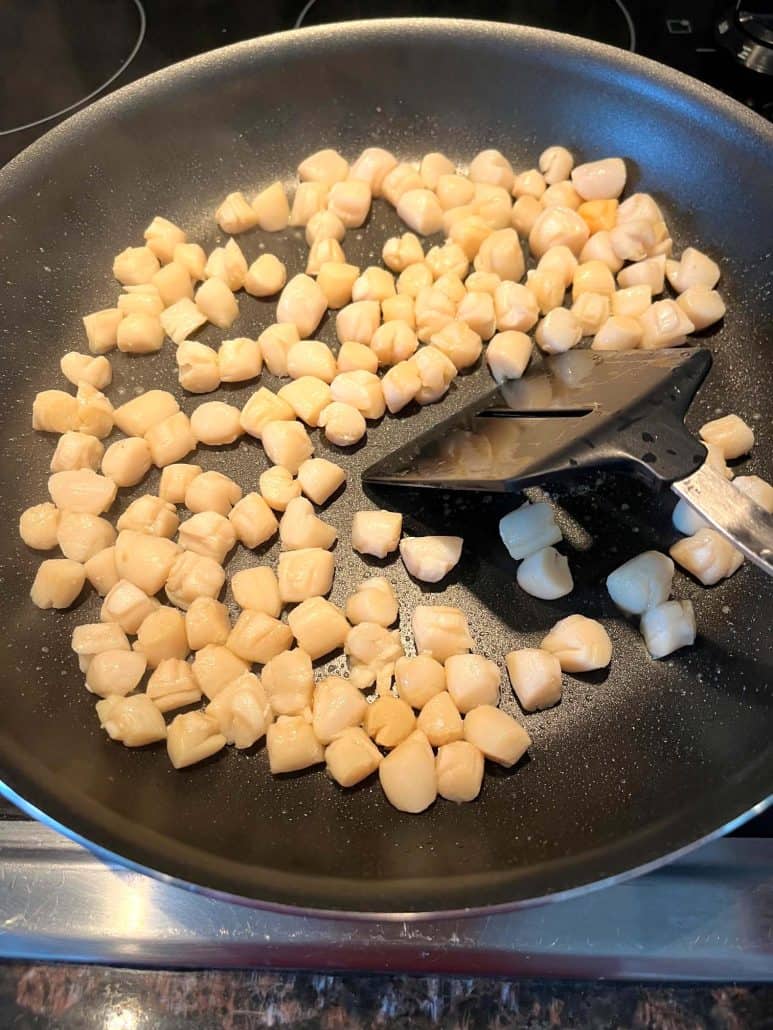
(57, 55)
(709, 915)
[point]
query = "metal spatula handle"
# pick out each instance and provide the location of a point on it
(737, 517)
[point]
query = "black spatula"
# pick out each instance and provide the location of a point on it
(579, 410)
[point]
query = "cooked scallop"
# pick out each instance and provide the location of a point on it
(278, 487)
(214, 667)
(175, 480)
(419, 678)
(337, 706)
(239, 359)
(101, 571)
(134, 721)
(376, 532)
(206, 622)
(599, 180)
(374, 601)
(161, 635)
(350, 201)
(137, 416)
(80, 535)
(241, 711)
(730, 434)
(430, 558)
(257, 588)
(91, 639)
(301, 303)
(408, 776)
(171, 685)
(288, 679)
(707, 555)
(171, 440)
(508, 354)
(115, 673)
(389, 720)
(207, 533)
(440, 720)
(286, 443)
(336, 280)
(459, 770)
(127, 461)
(127, 605)
(57, 583)
(140, 334)
(311, 358)
(496, 734)
(82, 490)
(228, 264)
(193, 575)
(319, 479)
(272, 208)
(144, 559)
(292, 745)
(192, 737)
(351, 756)
(252, 519)
(400, 385)
(440, 631)
(54, 411)
(264, 407)
(212, 491)
(460, 344)
(300, 527)
(535, 676)
(216, 423)
(150, 514)
(361, 390)
(102, 329)
(373, 164)
(515, 307)
(275, 343)
(77, 451)
(580, 644)
(343, 424)
(319, 626)
(266, 276)
(38, 526)
(308, 396)
(97, 371)
(304, 573)
(181, 320)
(198, 367)
(472, 680)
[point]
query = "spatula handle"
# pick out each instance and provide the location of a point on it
(745, 524)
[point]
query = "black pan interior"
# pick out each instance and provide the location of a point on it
(635, 763)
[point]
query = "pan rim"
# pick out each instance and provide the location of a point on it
(631, 61)
(298, 883)
(89, 118)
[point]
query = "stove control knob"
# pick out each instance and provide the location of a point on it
(746, 30)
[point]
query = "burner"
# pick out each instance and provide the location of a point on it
(59, 54)
(606, 21)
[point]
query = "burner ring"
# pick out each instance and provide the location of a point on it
(629, 23)
(99, 89)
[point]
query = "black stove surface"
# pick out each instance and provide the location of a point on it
(58, 55)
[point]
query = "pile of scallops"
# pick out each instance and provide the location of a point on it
(425, 720)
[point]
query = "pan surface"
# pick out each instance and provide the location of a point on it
(636, 762)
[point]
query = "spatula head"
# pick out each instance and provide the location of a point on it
(577, 410)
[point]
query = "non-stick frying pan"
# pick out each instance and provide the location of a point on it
(636, 763)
